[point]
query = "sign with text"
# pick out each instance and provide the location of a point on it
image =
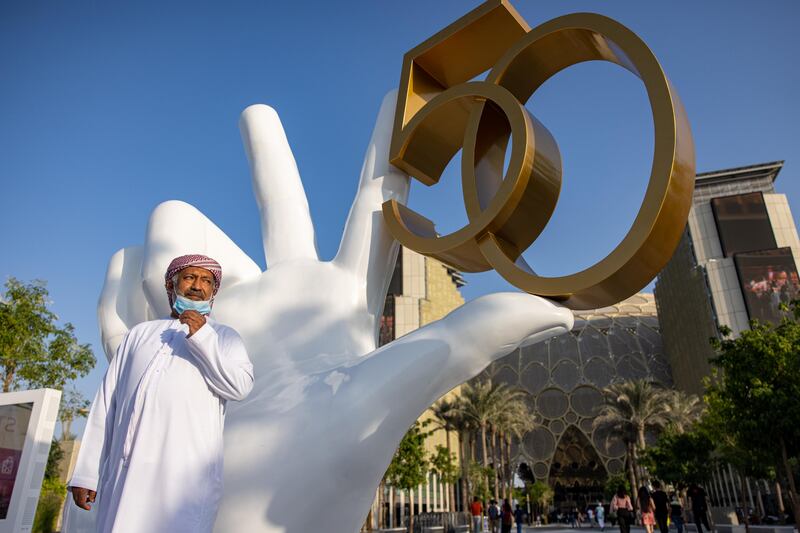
(13, 429)
(27, 422)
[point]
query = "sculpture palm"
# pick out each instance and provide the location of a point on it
(306, 450)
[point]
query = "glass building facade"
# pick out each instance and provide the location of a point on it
(736, 262)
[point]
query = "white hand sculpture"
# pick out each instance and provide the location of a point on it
(328, 409)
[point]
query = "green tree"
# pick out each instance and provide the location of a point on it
(752, 397)
(749, 462)
(443, 464)
(541, 494)
(681, 458)
(478, 476)
(34, 351)
(50, 499)
(54, 457)
(409, 466)
(52, 493)
(73, 405)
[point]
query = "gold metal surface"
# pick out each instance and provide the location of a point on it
(440, 111)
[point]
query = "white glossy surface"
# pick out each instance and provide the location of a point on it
(306, 449)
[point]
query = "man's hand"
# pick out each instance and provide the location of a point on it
(193, 319)
(83, 497)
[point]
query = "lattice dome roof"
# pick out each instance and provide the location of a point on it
(564, 378)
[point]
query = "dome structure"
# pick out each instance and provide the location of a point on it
(564, 378)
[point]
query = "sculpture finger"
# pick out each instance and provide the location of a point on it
(122, 303)
(177, 228)
(367, 249)
(286, 227)
(400, 380)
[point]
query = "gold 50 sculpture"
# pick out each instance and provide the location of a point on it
(439, 111)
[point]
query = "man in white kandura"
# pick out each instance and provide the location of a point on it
(152, 449)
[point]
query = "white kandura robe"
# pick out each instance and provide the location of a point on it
(153, 439)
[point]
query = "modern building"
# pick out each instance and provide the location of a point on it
(421, 291)
(564, 377)
(736, 262)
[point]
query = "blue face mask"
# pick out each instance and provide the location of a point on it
(183, 303)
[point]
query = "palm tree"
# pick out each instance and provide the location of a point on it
(463, 428)
(496, 462)
(624, 431)
(481, 402)
(489, 406)
(475, 405)
(514, 422)
(640, 403)
(683, 410)
(445, 417)
(511, 410)
(629, 409)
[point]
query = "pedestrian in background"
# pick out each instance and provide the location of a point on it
(676, 512)
(476, 510)
(600, 513)
(697, 497)
(494, 516)
(647, 507)
(622, 506)
(506, 518)
(519, 516)
(662, 510)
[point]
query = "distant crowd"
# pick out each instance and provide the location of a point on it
(654, 508)
(498, 519)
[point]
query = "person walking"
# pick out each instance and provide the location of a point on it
(697, 497)
(476, 510)
(519, 516)
(676, 512)
(662, 509)
(600, 513)
(506, 518)
(647, 507)
(494, 516)
(622, 506)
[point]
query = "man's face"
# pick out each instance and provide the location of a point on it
(194, 283)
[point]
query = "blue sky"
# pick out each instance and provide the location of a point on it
(107, 109)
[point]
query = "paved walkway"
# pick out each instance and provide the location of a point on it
(561, 528)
